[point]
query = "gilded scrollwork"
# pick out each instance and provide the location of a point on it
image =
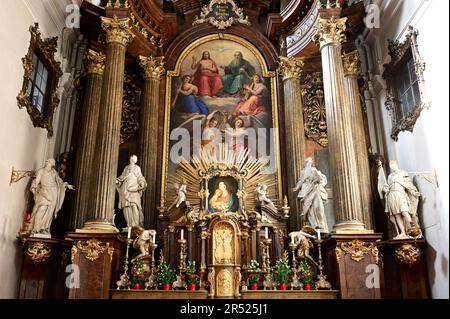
(95, 62)
(351, 63)
(314, 110)
(39, 252)
(408, 254)
(291, 67)
(357, 250)
(328, 31)
(117, 30)
(222, 14)
(92, 249)
(45, 50)
(153, 67)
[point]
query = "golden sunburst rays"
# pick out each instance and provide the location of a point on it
(221, 161)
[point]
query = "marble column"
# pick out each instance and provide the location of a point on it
(118, 35)
(329, 34)
(351, 67)
(148, 134)
(95, 66)
(291, 70)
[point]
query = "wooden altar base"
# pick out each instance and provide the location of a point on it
(290, 294)
(158, 294)
(203, 294)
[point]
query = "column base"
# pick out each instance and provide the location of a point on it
(351, 227)
(98, 226)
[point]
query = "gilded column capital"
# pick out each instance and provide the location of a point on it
(153, 67)
(95, 62)
(117, 30)
(329, 31)
(291, 67)
(351, 63)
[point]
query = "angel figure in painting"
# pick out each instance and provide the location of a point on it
(181, 197)
(187, 101)
(253, 102)
(402, 199)
(49, 192)
(130, 186)
(313, 195)
(211, 135)
(142, 241)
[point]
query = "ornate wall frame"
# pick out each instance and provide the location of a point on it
(399, 52)
(45, 49)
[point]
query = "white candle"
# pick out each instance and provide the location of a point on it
(292, 238)
(182, 234)
(129, 233)
(267, 232)
(318, 233)
(154, 238)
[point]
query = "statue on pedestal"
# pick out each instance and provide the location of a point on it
(402, 199)
(313, 195)
(142, 241)
(49, 192)
(130, 186)
(261, 196)
(181, 198)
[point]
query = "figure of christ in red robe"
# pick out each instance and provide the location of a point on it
(207, 77)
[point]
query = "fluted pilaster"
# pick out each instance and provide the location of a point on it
(329, 34)
(119, 35)
(95, 65)
(351, 67)
(291, 70)
(148, 136)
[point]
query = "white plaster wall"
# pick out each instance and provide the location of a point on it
(22, 145)
(426, 149)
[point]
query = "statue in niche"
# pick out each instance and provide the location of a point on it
(130, 186)
(49, 191)
(402, 199)
(313, 195)
(181, 197)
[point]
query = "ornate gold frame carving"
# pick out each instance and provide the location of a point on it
(398, 53)
(17, 175)
(357, 250)
(39, 252)
(92, 250)
(408, 254)
(177, 71)
(45, 49)
(221, 24)
(314, 110)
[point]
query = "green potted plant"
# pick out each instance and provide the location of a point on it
(253, 275)
(138, 275)
(192, 279)
(306, 275)
(282, 272)
(164, 276)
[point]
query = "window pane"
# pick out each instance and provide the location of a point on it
(410, 104)
(35, 60)
(30, 88)
(416, 92)
(412, 71)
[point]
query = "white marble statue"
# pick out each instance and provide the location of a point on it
(181, 197)
(144, 237)
(261, 196)
(402, 199)
(313, 195)
(49, 191)
(130, 186)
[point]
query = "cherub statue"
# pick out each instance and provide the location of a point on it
(402, 199)
(303, 241)
(144, 237)
(261, 196)
(49, 192)
(181, 198)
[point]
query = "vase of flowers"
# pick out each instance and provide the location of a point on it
(192, 279)
(306, 275)
(165, 276)
(282, 272)
(253, 275)
(138, 274)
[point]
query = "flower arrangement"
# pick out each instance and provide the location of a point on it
(282, 271)
(191, 274)
(138, 279)
(306, 274)
(165, 275)
(253, 275)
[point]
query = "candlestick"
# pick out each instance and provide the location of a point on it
(124, 281)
